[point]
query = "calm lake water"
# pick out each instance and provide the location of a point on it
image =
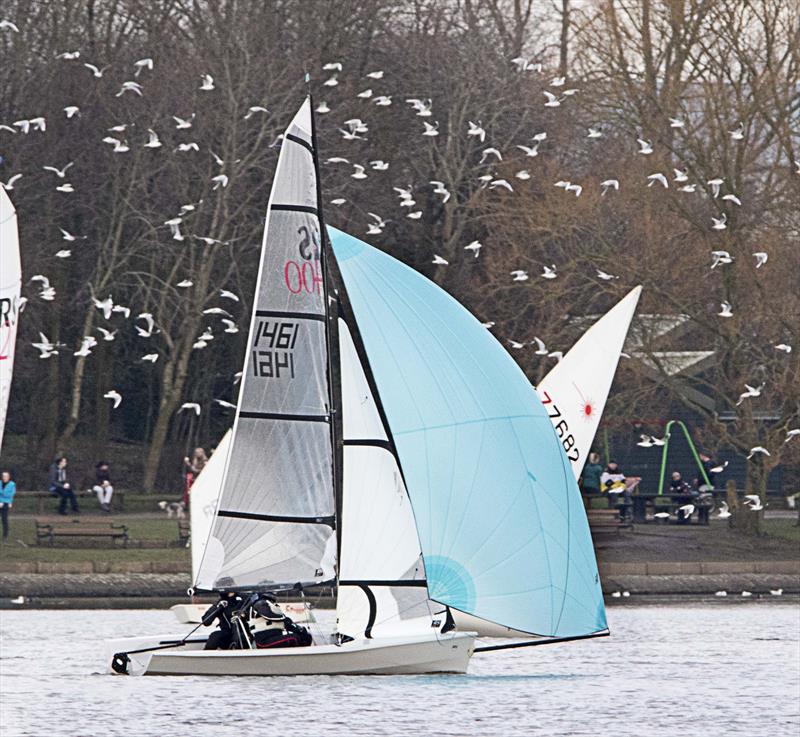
(672, 670)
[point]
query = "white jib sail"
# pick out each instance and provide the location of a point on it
(203, 501)
(381, 576)
(10, 281)
(575, 390)
(276, 513)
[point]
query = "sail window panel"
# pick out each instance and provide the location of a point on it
(485, 470)
(360, 417)
(295, 180)
(396, 611)
(266, 555)
(286, 367)
(280, 467)
(379, 535)
(291, 272)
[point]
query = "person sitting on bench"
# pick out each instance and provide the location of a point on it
(684, 495)
(60, 487)
(102, 486)
(280, 630)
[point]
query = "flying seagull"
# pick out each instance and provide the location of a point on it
(143, 64)
(115, 396)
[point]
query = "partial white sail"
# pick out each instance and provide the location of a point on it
(203, 501)
(382, 587)
(276, 512)
(575, 391)
(10, 280)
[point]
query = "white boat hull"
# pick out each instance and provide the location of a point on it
(448, 653)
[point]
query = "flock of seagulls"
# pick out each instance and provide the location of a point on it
(354, 130)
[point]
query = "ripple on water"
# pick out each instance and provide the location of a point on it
(664, 671)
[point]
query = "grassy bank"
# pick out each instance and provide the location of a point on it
(155, 538)
(150, 540)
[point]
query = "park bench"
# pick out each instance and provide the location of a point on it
(65, 527)
(184, 531)
(45, 497)
(607, 520)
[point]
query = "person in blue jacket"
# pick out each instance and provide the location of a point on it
(7, 490)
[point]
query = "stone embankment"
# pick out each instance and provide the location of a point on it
(138, 584)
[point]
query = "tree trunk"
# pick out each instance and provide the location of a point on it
(172, 383)
(77, 385)
(563, 46)
(102, 406)
(165, 409)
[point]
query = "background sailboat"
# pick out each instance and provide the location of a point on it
(576, 388)
(10, 283)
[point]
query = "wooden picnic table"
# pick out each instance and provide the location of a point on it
(669, 502)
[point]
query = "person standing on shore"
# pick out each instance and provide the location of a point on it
(590, 477)
(191, 469)
(60, 486)
(7, 490)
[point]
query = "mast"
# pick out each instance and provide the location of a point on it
(334, 395)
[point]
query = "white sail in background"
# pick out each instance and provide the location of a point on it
(10, 281)
(204, 498)
(276, 513)
(575, 391)
(381, 576)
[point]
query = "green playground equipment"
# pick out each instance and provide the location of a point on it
(665, 448)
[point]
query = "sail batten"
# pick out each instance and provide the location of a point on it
(277, 510)
(484, 468)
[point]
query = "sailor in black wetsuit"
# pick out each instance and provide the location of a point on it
(222, 612)
(280, 630)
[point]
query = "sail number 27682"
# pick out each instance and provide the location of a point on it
(562, 428)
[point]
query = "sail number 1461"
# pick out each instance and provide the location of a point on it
(277, 354)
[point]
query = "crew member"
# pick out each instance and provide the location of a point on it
(280, 630)
(222, 612)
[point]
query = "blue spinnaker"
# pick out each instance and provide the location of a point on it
(503, 531)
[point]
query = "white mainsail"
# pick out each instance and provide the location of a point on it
(575, 390)
(10, 282)
(204, 498)
(382, 587)
(276, 513)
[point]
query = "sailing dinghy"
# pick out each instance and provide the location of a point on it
(10, 283)
(384, 442)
